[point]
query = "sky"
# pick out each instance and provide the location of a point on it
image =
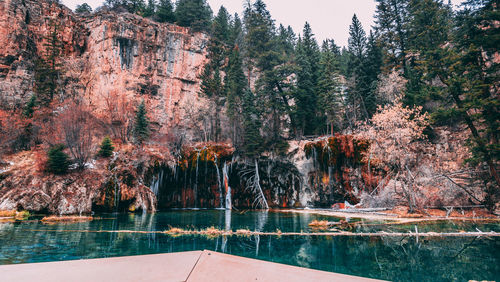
(328, 18)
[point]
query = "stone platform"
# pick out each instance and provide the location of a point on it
(184, 266)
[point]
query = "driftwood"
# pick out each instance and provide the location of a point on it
(216, 232)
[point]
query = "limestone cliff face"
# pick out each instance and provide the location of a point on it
(141, 59)
(102, 54)
(24, 26)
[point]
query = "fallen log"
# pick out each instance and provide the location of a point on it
(216, 232)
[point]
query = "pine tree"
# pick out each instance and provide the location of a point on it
(165, 12)
(47, 69)
(211, 84)
(428, 28)
(193, 13)
(356, 73)
(391, 25)
(308, 56)
(357, 39)
(106, 148)
(329, 87)
(253, 142)
(235, 32)
(150, 9)
(132, 6)
(371, 69)
(83, 9)
(234, 83)
(57, 160)
(468, 77)
(259, 35)
(141, 128)
(272, 87)
(286, 40)
(29, 109)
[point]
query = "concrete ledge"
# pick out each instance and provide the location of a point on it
(185, 266)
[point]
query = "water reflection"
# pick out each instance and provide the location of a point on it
(390, 258)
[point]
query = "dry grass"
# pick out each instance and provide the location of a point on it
(243, 232)
(212, 232)
(67, 219)
(21, 215)
(175, 232)
(319, 224)
(11, 213)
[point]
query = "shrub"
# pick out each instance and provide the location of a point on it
(106, 148)
(57, 160)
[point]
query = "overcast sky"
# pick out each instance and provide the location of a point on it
(328, 18)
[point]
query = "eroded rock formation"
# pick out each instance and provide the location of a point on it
(102, 54)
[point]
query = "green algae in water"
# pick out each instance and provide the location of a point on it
(390, 258)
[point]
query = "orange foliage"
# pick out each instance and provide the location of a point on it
(205, 152)
(329, 151)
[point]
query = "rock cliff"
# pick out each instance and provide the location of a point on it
(106, 57)
(103, 57)
(101, 54)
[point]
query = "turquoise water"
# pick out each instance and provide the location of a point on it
(391, 258)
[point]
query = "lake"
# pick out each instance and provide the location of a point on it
(390, 258)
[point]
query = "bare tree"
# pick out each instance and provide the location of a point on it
(118, 114)
(78, 125)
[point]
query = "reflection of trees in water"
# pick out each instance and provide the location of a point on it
(443, 259)
(390, 258)
(252, 243)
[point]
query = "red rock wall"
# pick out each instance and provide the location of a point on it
(102, 53)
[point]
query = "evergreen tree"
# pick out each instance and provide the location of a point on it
(308, 56)
(193, 13)
(141, 128)
(47, 69)
(131, 6)
(358, 84)
(150, 9)
(286, 40)
(272, 86)
(329, 87)
(235, 84)
(252, 145)
(211, 84)
(106, 148)
(57, 162)
(259, 36)
(429, 28)
(29, 109)
(468, 77)
(165, 12)
(221, 27)
(391, 25)
(371, 69)
(83, 9)
(235, 32)
(357, 39)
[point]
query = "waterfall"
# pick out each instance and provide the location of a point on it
(221, 193)
(117, 195)
(225, 176)
(196, 181)
(155, 185)
(331, 180)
